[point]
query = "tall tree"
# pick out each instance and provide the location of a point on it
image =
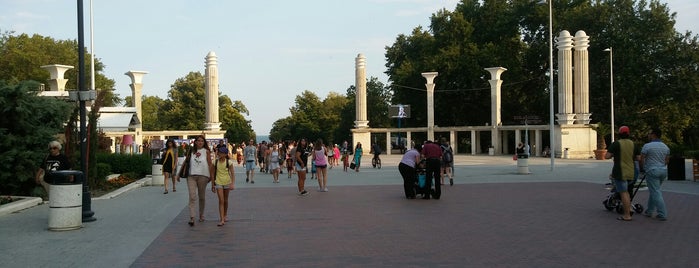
(35, 122)
(655, 66)
(22, 57)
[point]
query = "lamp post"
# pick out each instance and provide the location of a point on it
(611, 86)
(553, 150)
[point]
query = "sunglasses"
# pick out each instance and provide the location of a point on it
(54, 148)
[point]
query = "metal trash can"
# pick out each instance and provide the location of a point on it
(523, 164)
(65, 200)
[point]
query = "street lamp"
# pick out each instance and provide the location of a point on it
(552, 150)
(611, 86)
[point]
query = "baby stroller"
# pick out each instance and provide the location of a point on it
(613, 200)
(421, 182)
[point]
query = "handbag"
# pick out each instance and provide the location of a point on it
(353, 165)
(184, 171)
(514, 157)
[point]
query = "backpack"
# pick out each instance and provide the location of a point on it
(447, 154)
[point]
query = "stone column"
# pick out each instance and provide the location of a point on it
(430, 103)
(495, 103)
(211, 92)
(361, 133)
(564, 44)
(581, 78)
(136, 93)
(360, 85)
(57, 71)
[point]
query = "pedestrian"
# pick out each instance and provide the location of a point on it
(250, 154)
(301, 163)
(336, 155)
(320, 158)
(224, 182)
(407, 170)
(624, 153)
(433, 154)
(290, 159)
(274, 157)
(447, 161)
(200, 173)
(331, 157)
(170, 164)
(655, 156)
(54, 161)
(358, 151)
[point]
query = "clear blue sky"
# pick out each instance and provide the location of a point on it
(268, 51)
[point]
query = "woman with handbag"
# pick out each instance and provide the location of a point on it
(358, 151)
(199, 172)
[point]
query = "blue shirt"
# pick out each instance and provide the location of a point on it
(654, 154)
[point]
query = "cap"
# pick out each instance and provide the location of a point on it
(624, 130)
(223, 150)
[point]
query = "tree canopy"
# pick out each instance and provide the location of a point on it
(21, 58)
(655, 67)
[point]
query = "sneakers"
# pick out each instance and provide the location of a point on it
(325, 189)
(303, 193)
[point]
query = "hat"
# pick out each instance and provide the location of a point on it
(223, 150)
(624, 130)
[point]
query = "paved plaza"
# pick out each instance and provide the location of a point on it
(491, 217)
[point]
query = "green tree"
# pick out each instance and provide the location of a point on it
(185, 110)
(379, 98)
(35, 122)
(22, 57)
(656, 82)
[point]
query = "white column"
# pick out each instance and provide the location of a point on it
(495, 103)
(452, 141)
(136, 93)
(388, 143)
(429, 76)
(211, 92)
(360, 85)
(57, 82)
(564, 44)
(581, 78)
(474, 142)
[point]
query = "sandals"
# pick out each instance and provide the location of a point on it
(621, 218)
(220, 224)
(165, 192)
(191, 222)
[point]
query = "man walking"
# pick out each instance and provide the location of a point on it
(624, 153)
(433, 154)
(654, 158)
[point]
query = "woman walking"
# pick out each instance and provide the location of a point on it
(200, 173)
(358, 151)
(274, 156)
(320, 158)
(223, 184)
(170, 164)
(301, 163)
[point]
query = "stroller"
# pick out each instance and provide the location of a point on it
(421, 182)
(613, 200)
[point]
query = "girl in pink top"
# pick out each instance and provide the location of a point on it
(320, 157)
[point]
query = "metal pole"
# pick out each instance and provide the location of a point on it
(553, 150)
(611, 87)
(92, 49)
(87, 200)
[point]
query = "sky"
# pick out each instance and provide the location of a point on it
(268, 52)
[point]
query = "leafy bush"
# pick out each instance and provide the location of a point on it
(139, 164)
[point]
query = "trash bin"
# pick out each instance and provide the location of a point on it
(675, 169)
(523, 164)
(157, 177)
(65, 200)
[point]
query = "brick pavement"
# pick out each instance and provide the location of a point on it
(551, 224)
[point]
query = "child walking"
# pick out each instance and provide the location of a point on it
(224, 182)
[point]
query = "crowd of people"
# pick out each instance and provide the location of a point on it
(203, 163)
